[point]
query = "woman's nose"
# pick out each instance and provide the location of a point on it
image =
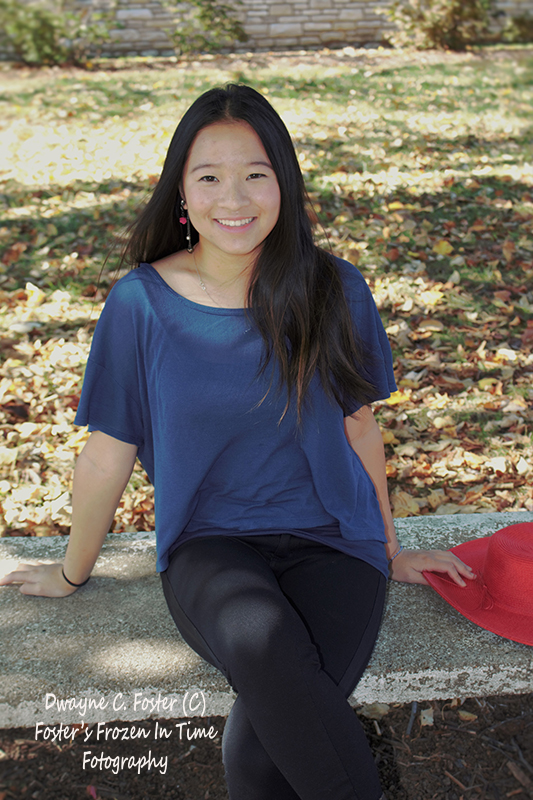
(235, 195)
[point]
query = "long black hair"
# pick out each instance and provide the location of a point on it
(295, 295)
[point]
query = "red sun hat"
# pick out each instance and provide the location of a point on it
(500, 598)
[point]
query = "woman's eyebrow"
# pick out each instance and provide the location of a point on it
(214, 166)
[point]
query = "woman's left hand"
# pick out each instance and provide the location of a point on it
(410, 564)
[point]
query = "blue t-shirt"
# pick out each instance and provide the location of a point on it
(179, 380)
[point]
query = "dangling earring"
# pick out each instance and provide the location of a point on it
(184, 219)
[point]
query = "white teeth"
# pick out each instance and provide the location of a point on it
(235, 223)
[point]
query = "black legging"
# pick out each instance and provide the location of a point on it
(291, 624)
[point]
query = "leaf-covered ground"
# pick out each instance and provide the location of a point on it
(420, 167)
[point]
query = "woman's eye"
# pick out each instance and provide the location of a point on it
(208, 178)
(256, 175)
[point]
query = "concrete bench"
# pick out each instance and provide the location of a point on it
(111, 650)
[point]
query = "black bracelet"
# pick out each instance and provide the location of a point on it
(77, 585)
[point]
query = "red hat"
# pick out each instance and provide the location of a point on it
(500, 599)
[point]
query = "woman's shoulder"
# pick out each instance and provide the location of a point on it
(355, 285)
(132, 285)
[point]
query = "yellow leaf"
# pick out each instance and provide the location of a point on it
(473, 461)
(486, 383)
(8, 455)
(395, 205)
(403, 505)
(23, 494)
(389, 437)
(448, 508)
(36, 296)
(442, 248)
(431, 325)
(399, 397)
(466, 716)
(436, 498)
(27, 429)
(508, 249)
(77, 440)
(431, 297)
(498, 464)
(443, 422)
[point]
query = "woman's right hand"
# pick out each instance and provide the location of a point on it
(45, 580)
(102, 471)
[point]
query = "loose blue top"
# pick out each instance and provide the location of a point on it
(180, 381)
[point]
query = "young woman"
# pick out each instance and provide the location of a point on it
(238, 362)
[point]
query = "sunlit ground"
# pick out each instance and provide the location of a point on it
(420, 168)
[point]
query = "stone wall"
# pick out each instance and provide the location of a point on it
(269, 24)
(141, 30)
(313, 23)
(274, 25)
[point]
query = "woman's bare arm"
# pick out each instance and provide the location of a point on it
(102, 472)
(364, 436)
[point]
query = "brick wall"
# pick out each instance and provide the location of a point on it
(141, 30)
(312, 23)
(269, 24)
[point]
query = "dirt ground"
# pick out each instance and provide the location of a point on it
(477, 749)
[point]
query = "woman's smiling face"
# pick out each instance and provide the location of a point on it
(230, 190)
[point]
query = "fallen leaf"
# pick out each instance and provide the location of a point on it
(426, 717)
(508, 250)
(449, 508)
(466, 716)
(527, 336)
(435, 498)
(442, 248)
(398, 397)
(393, 254)
(403, 505)
(473, 460)
(431, 297)
(443, 422)
(431, 325)
(486, 383)
(522, 467)
(503, 294)
(389, 437)
(35, 296)
(374, 710)
(498, 464)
